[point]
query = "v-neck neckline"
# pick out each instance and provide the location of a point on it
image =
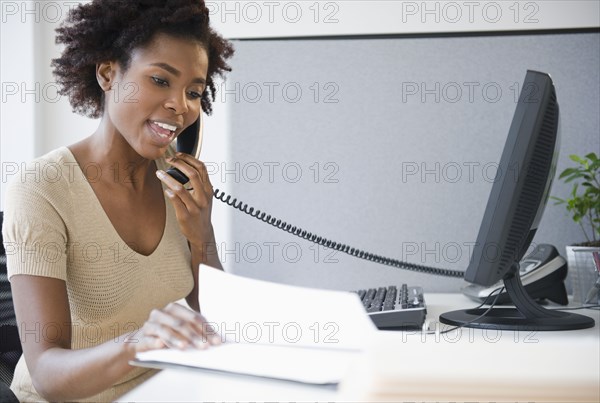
(92, 195)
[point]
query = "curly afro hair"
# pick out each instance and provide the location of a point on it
(109, 30)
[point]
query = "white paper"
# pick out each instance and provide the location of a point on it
(318, 366)
(254, 311)
(275, 330)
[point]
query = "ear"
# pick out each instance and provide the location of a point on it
(106, 73)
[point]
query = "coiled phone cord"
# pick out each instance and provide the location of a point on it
(299, 232)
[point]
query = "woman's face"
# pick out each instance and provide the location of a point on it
(158, 96)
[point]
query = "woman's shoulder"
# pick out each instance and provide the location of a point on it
(48, 175)
(58, 158)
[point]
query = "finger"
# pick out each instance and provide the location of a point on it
(186, 325)
(168, 180)
(181, 210)
(144, 342)
(197, 321)
(192, 168)
(197, 174)
(174, 331)
(170, 337)
(175, 190)
(150, 343)
(191, 160)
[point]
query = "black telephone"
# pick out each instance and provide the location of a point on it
(190, 142)
(542, 272)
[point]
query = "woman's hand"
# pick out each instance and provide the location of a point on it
(174, 326)
(192, 207)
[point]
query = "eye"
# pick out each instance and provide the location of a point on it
(194, 95)
(160, 81)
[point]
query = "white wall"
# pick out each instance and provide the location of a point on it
(35, 118)
(18, 107)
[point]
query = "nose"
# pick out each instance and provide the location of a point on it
(177, 103)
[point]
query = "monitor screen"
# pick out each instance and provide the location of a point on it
(522, 184)
(514, 209)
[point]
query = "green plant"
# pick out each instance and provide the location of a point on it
(584, 207)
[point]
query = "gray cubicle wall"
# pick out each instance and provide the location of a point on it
(389, 145)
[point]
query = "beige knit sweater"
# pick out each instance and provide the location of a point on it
(54, 226)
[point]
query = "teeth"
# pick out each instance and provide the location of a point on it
(166, 126)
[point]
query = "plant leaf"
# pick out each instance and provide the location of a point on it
(566, 172)
(577, 159)
(592, 157)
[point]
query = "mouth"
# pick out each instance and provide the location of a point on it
(164, 133)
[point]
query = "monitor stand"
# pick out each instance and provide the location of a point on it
(527, 315)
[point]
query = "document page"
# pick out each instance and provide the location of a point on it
(274, 330)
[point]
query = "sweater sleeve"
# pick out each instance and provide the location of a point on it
(33, 230)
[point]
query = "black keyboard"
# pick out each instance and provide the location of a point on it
(395, 308)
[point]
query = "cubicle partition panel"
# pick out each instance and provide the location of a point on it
(387, 144)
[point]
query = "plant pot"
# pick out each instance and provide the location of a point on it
(582, 270)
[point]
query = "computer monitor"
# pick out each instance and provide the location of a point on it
(514, 210)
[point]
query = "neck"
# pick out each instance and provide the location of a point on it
(115, 160)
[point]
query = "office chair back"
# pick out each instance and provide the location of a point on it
(10, 344)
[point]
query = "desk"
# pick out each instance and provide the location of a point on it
(203, 385)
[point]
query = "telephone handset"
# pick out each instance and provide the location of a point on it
(190, 142)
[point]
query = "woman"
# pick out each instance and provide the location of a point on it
(99, 252)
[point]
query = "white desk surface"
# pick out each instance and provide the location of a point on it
(183, 385)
